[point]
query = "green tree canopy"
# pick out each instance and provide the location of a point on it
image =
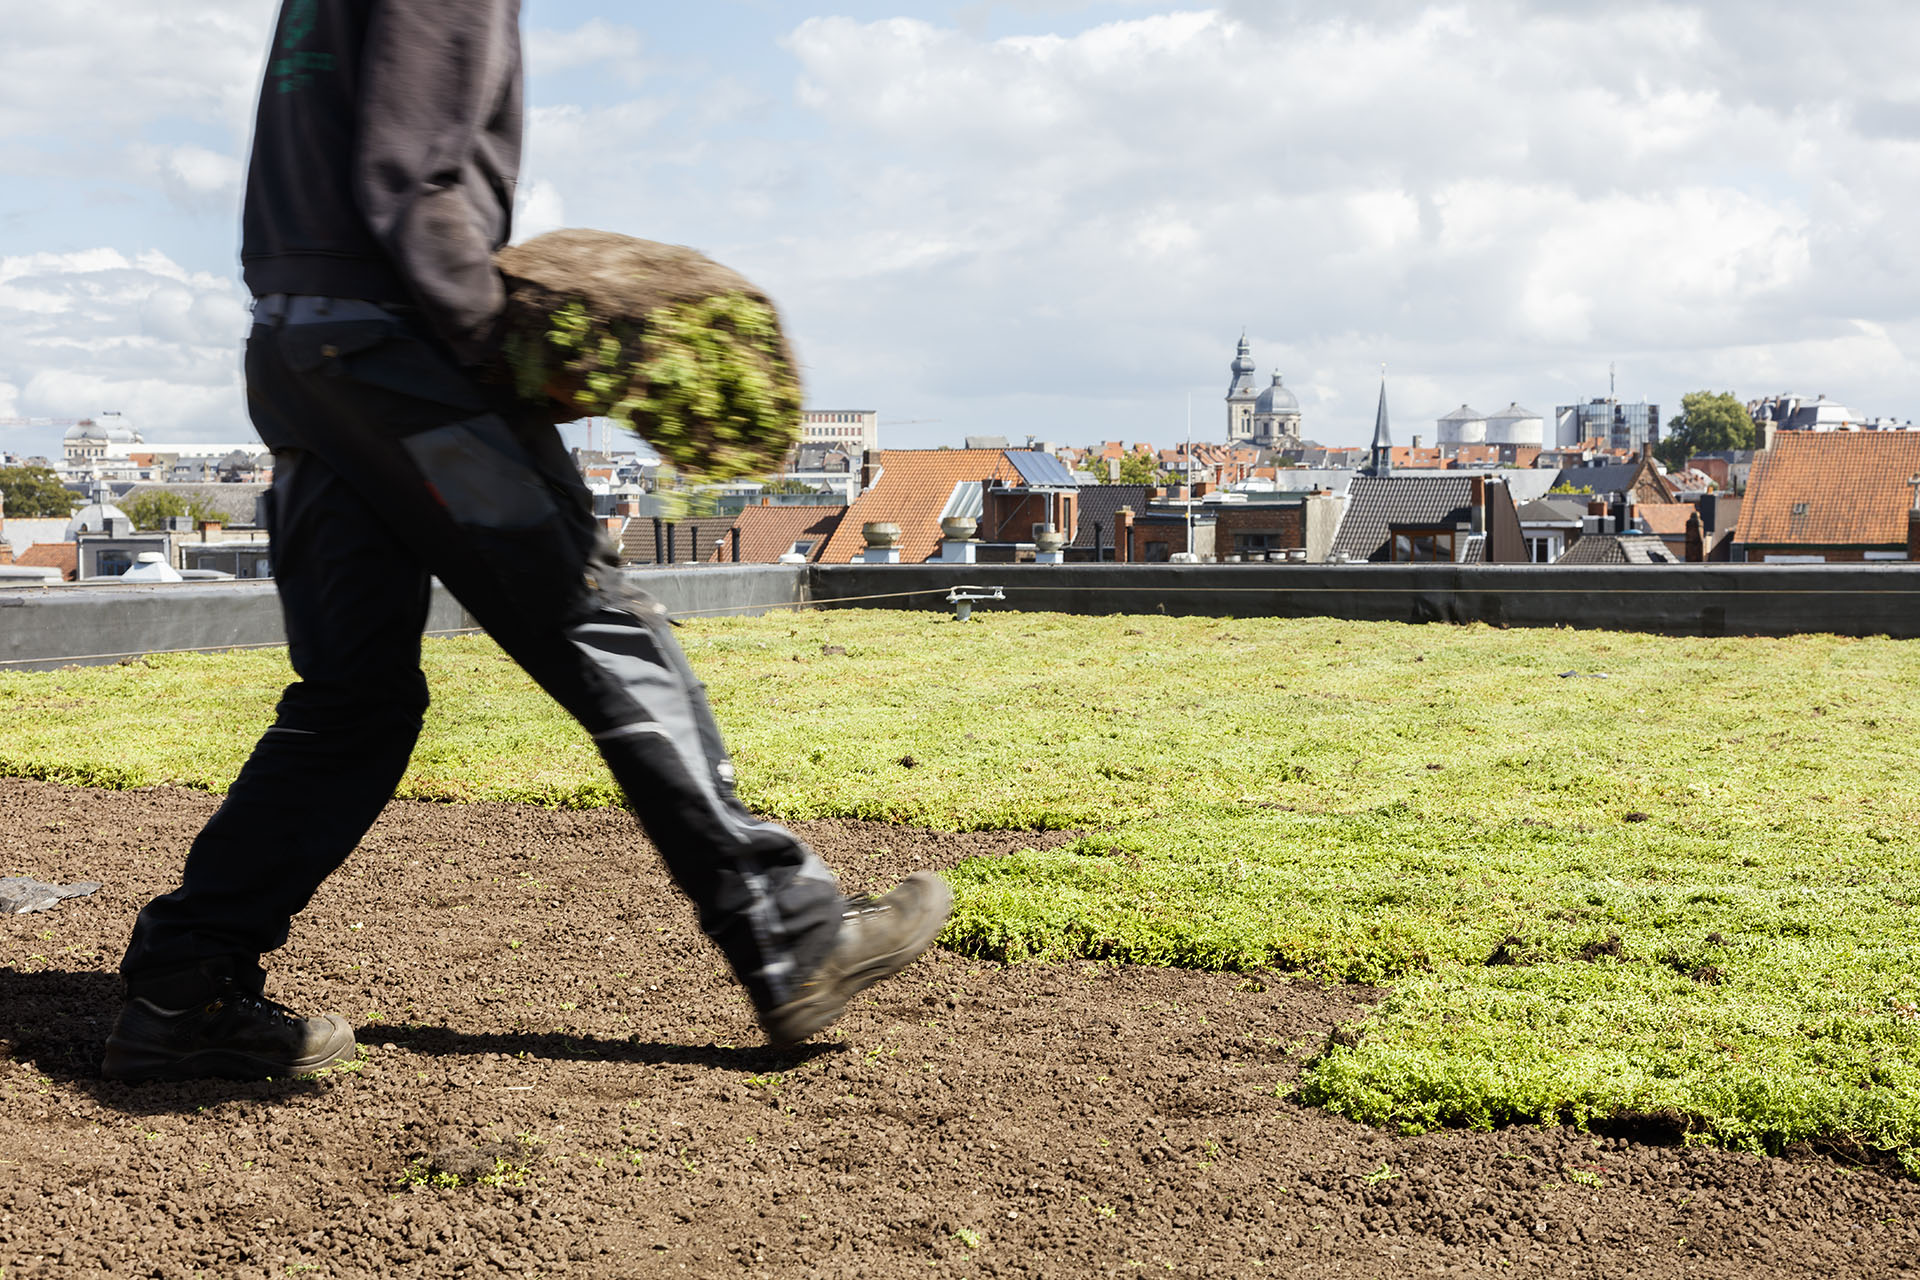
(35, 493)
(1708, 421)
(1138, 468)
(148, 510)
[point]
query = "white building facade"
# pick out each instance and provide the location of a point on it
(855, 430)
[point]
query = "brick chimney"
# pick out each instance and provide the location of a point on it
(866, 469)
(1123, 535)
(1697, 537)
(210, 530)
(1913, 521)
(1477, 506)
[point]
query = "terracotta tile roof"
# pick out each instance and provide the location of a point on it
(767, 533)
(64, 556)
(911, 490)
(1830, 489)
(1669, 519)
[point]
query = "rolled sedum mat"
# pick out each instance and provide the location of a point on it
(661, 339)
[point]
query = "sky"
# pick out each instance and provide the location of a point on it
(1055, 218)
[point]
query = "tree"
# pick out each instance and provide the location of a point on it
(781, 484)
(35, 493)
(1138, 468)
(1708, 422)
(148, 510)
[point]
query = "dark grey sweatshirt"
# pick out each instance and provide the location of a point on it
(385, 154)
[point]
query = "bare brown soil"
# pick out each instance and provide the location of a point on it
(544, 1024)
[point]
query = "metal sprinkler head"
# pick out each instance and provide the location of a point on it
(962, 598)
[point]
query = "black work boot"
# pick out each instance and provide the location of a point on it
(235, 1035)
(878, 938)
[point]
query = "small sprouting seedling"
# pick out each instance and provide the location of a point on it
(419, 1173)
(1585, 1177)
(1105, 1210)
(506, 1173)
(513, 944)
(1384, 1172)
(968, 1237)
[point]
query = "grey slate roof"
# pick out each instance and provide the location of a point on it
(1553, 511)
(1382, 433)
(1098, 502)
(1607, 478)
(1376, 503)
(692, 539)
(822, 456)
(1622, 548)
(236, 503)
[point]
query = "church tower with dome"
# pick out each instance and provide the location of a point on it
(1241, 395)
(1270, 417)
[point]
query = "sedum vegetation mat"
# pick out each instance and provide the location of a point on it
(1604, 876)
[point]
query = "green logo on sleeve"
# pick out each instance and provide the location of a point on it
(301, 17)
(295, 72)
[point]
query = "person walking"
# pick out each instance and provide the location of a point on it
(385, 154)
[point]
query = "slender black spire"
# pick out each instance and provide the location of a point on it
(1381, 461)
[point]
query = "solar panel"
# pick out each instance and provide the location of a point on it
(1041, 470)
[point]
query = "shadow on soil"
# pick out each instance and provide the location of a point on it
(57, 1022)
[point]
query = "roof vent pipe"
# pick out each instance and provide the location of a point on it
(883, 542)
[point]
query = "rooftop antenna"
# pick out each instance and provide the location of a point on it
(1189, 473)
(1613, 382)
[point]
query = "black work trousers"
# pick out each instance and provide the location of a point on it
(390, 466)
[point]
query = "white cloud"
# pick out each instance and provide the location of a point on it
(1499, 197)
(193, 177)
(101, 68)
(95, 330)
(1063, 232)
(539, 209)
(592, 42)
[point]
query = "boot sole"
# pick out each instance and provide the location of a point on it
(137, 1063)
(814, 1012)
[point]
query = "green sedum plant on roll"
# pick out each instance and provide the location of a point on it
(680, 350)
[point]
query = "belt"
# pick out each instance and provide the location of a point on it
(303, 308)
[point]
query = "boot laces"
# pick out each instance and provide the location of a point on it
(248, 1002)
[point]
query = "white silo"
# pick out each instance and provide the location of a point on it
(1463, 426)
(1514, 425)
